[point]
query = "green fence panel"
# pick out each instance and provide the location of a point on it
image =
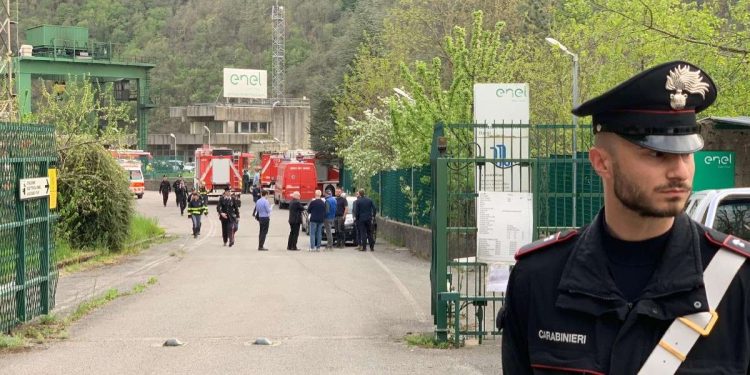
(566, 193)
(28, 276)
(159, 166)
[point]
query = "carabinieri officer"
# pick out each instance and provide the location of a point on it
(642, 289)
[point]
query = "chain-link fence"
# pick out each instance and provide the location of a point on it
(404, 195)
(158, 166)
(28, 276)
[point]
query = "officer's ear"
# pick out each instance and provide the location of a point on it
(601, 155)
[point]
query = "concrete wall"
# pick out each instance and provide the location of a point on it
(417, 240)
(289, 124)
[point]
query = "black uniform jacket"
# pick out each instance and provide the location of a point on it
(364, 209)
(564, 314)
(295, 211)
(227, 205)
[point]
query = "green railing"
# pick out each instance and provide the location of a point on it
(565, 193)
(28, 276)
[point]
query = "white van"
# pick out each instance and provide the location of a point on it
(726, 210)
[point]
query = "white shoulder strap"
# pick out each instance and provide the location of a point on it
(683, 333)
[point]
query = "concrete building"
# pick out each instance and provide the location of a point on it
(261, 125)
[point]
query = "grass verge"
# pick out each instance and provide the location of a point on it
(52, 327)
(426, 340)
(144, 231)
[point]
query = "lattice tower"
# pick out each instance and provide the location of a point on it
(9, 44)
(278, 75)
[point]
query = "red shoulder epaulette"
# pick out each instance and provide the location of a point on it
(736, 244)
(545, 242)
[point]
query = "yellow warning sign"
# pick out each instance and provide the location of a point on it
(52, 175)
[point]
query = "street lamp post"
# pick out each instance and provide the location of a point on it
(559, 45)
(175, 145)
(209, 135)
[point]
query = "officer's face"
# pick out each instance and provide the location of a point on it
(648, 182)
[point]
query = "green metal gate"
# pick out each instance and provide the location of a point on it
(566, 193)
(28, 276)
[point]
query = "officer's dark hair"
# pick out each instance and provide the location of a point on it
(263, 193)
(361, 192)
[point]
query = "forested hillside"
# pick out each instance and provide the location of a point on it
(190, 41)
(348, 55)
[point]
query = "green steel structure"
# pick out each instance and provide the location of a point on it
(64, 51)
(461, 306)
(28, 276)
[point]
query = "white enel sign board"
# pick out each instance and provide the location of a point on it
(503, 103)
(504, 224)
(33, 188)
(245, 83)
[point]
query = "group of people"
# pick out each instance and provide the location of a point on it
(182, 193)
(327, 213)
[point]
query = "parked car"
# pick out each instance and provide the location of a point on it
(726, 210)
(349, 227)
(188, 167)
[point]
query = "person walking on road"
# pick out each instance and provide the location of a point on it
(175, 185)
(238, 204)
(203, 192)
(165, 188)
(195, 209)
(246, 181)
(330, 218)
(317, 210)
(263, 209)
(228, 214)
(364, 213)
(642, 289)
(339, 222)
(295, 220)
(182, 193)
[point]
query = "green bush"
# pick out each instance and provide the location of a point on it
(96, 205)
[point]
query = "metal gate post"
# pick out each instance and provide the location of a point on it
(440, 259)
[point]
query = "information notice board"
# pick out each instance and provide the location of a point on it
(504, 224)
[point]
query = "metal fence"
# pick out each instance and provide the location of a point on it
(543, 161)
(404, 195)
(158, 166)
(28, 276)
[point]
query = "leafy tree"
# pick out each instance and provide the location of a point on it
(94, 197)
(371, 148)
(483, 58)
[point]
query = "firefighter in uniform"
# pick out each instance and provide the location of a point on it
(642, 289)
(203, 192)
(195, 209)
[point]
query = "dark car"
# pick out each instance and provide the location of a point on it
(351, 234)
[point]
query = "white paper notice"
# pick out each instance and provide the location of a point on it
(504, 224)
(497, 278)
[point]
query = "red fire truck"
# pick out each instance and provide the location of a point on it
(327, 174)
(220, 168)
(269, 164)
(295, 176)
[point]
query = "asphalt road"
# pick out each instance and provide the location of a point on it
(333, 312)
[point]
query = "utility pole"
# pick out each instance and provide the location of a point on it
(278, 75)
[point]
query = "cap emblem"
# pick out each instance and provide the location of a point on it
(682, 79)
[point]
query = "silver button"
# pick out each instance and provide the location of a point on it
(697, 304)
